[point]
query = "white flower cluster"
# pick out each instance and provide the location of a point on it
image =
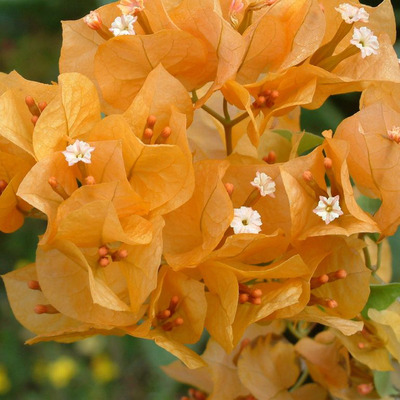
(351, 14)
(123, 25)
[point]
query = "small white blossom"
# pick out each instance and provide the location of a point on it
(365, 40)
(123, 25)
(246, 220)
(93, 20)
(131, 6)
(264, 184)
(352, 14)
(79, 151)
(394, 134)
(328, 208)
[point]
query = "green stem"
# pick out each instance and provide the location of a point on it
(228, 138)
(367, 256)
(238, 119)
(300, 381)
(225, 120)
(293, 330)
(194, 96)
(226, 112)
(379, 256)
(214, 114)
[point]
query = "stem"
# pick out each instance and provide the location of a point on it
(214, 114)
(226, 113)
(144, 23)
(238, 119)
(332, 62)
(367, 259)
(194, 96)
(379, 256)
(228, 138)
(293, 330)
(300, 381)
(225, 120)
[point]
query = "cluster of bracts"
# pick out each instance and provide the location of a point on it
(181, 195)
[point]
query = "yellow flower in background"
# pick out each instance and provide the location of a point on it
(5, 384)
(104, 369)
(61, 371)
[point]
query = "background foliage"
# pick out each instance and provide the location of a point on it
(102, 367)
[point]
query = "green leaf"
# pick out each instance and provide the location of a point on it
(308, 141)
(368, 204)
(284, 133)
(383, 384)
(381, 297)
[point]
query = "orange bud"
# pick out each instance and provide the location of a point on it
(89, 180)
(256, 293)
(57, 187)
(318, 281)
(173, 304)
(330, 303)
(42, 105)
(147, 135)
(3, 185)
(274, 94)
(229, 188)
(308, 176)
(172, 324)
(336, 275)
(164, 135)
(103, 251)
(328, 163)
(256, 301)
(365, 388)
(163, 314)
(119, 255)
(151, 121)
(243, 298)
(34, 285)
(270, 158)
(104, 262)
(45, 309)
(34, 119)
(33, 108)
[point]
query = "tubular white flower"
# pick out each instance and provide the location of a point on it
(93, 20)
(123, 25)
(394, 134)
(352, 14)
(365, 40)
(79, 151)
(328, 208)
(264, 183)
(246, 220)
(131, 6)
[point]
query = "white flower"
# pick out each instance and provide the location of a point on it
(93, 20)
(365, 40)
(131, 6)
(123, 25)
(264, 184)
(352, 14)
(246, 220)
(328, 208)
(79, 151)
(394, 134)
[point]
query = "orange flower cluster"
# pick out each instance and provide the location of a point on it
(180, 194)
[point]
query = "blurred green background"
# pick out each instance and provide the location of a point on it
(101, 367)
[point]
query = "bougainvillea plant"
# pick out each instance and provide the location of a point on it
(181, 194)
